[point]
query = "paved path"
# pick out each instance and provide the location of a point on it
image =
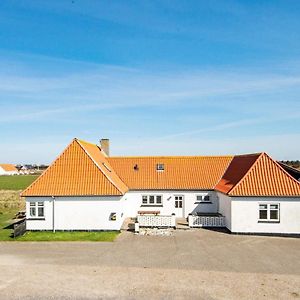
(198, 264)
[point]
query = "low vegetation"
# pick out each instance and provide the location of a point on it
(11, 201)
(6, 227)
(63, 236)
(16, 182)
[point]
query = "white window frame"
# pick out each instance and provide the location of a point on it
(269, 209)
(204, 199)
(146, 200)
(34, 208)
(180, 199)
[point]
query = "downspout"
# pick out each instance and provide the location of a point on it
(53, 213)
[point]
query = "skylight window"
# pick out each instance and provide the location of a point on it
(160, 167)
(107, 167)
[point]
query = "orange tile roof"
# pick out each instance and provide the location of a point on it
(8, 167)
(80, 170)
(181, 173)
(237, 169)
(83, 169)
(264, 178)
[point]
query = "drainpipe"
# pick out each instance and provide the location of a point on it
(53, 211)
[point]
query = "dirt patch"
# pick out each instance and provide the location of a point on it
(10, 200)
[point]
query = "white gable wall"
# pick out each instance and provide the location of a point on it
(245, 215)
(77, 213)
(3, 172)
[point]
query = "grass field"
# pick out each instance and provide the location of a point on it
(66, 236)
(16, 183)
(5, 221)
(11, 202)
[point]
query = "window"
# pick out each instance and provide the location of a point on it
(206, 198)
(199, 198)
(160, 167)
(107, 167)
(113, 216)
(178, 201)
(145, 199)
(269, 212)
(202, 199)
(152, 200)
(36, 210)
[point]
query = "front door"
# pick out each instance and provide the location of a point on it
(179, 206)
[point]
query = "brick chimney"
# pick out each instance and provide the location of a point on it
(104, 145)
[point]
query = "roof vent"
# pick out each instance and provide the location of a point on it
(106, 166)
(160, 167)
(136, 168)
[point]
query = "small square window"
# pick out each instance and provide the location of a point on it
(274, 214)
(206, 198)
(263, 214)
(160, 167)
(199, 198)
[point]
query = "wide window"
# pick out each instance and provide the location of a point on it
(152, 200)
(36, 210)
(203, 199)
(269, 212)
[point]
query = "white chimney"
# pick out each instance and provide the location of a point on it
(104, 145)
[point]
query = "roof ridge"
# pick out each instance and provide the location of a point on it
(170, 156)
(224, 172)
(282, 169)
(245, 175)
(98, 166)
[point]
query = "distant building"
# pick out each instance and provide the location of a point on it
(292, 171)
(8, 169)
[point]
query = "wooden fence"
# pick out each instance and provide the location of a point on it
(19, 228)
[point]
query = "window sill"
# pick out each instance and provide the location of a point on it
(267, 221)
(151, 205)
(203, 202)
(35, 219)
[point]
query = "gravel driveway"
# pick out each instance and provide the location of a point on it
(194, 264)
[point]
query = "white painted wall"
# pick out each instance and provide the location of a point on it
(133, 202)
(244, 215)
(77, 213)
(3, 172)
(225, 208)
(92, 213)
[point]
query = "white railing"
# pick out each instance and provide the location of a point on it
(156, 221)
(206, 221)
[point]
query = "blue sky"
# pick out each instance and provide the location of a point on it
(156, 77)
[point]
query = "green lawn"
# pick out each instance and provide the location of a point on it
(93, 236)
(16, 182)
(6, 220)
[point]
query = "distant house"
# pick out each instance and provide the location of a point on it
(292, 171)
(86, 189)
(8, 169)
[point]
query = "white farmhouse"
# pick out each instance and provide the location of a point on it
(8, 169)
(85, 189)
